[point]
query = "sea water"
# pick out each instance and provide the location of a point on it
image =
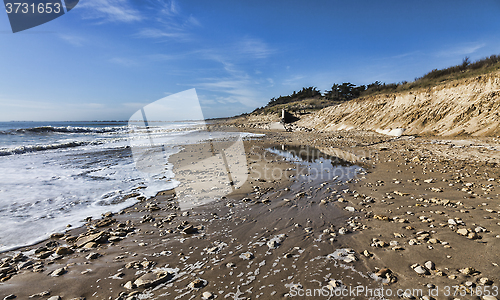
(55, 174)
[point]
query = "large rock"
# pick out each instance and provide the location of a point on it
(63, 251)
(152, 279)
(99, 237)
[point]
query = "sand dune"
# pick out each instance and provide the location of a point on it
(466, 106)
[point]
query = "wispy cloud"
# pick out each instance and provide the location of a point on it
(168, 22)
(253, 47)
(110, 11)
(461, 50)
(293, 81)
(406, 55)
(127, 62)
(72, 39)
(161, 33)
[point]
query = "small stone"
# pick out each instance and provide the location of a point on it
(189, 229)
(272, 244)
(41, 294)
(25, 265)
(421, 270)
(93, 255)
(472, 236)
(246, 255)
(430, 265)
(58, 272)
(90, 245)
(129, 285)
(485, 281)
(63, 251)
(197, 283)
(467, 271)
(56, 235)
(383, 272)
(463, 231)
(350, 208)
(207, 295)
(479, 229)
(54, 298)
(11, 296)
(489, 298)
(343, 230)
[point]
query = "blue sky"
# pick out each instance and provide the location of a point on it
(106, 59)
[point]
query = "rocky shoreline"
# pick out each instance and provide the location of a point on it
(423, 215)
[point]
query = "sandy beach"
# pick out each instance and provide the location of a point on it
(417, 214)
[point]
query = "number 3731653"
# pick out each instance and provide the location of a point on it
(25, 8)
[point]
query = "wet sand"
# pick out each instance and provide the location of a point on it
(277, 236)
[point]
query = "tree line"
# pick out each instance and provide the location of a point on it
(348, 91)
(338, 93)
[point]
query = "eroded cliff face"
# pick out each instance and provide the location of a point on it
(467, 106)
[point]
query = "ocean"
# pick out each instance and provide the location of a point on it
(55, 174)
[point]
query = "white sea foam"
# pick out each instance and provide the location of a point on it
(52, 176)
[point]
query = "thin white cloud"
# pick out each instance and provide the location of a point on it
(293, 81)
(127, 62)
(168, 22)
(72, 39)
(110, 11)
(461, 50)
(161, 33)
(253, 47)
(232, 90)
